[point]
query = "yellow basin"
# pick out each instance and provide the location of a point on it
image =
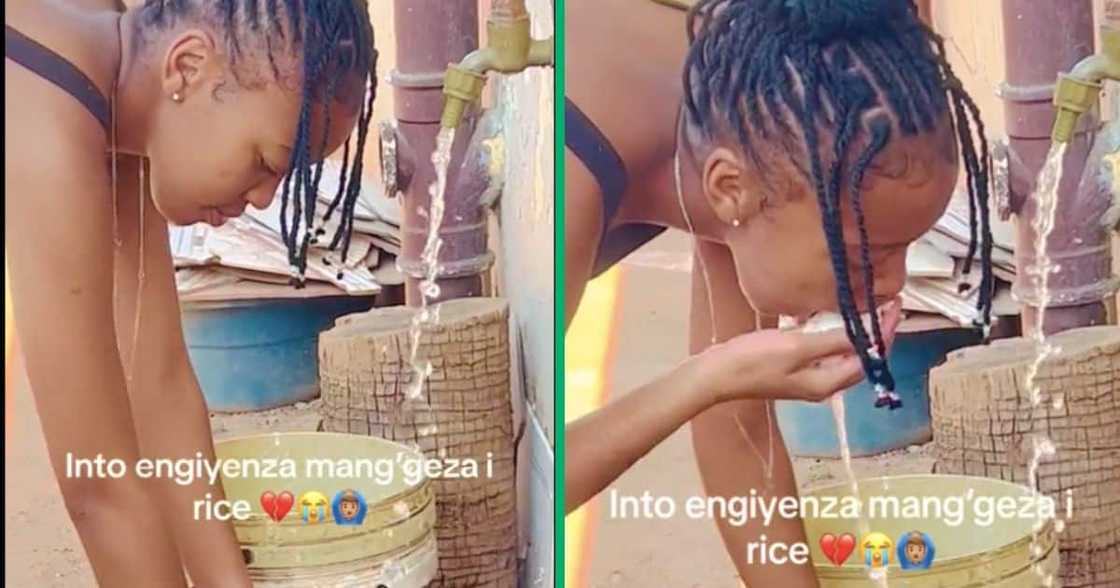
(395, 544)
(967, 555)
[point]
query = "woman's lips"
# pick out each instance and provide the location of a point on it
(889, 314)
(215, 218)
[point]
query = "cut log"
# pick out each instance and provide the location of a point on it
(464, 412)
(986, 423)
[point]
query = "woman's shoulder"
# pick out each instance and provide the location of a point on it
(74, 30)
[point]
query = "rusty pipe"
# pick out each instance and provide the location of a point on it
(1043, 38)
(429, 35)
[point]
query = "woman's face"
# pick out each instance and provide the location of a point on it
(223, 146)
(780, 249)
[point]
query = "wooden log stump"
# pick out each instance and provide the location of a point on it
(464, 413)
(985, 423)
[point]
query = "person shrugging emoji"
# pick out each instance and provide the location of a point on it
(877, 550)
(348, 508)
(915, 551)
(313, 507)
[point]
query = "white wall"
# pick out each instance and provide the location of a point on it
(525, 254)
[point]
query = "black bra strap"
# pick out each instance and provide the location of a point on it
(589, 144)
(56, 69)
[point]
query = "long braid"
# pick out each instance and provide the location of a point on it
(880, 135)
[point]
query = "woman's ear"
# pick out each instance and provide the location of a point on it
(725, 187)
(191, 61)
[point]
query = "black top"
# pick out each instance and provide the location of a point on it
(592, 147)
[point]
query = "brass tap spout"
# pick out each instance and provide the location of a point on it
(1079, 90)
(511, 49)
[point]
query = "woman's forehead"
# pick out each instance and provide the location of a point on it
(282, 122)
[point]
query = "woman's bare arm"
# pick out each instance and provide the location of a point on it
(170, 411)
(604, 444)
(58, 238)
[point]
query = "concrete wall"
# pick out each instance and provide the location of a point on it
(525, 278)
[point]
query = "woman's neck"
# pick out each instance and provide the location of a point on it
(134, 97)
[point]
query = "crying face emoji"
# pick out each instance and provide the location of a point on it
(876, 550)
(313, 507)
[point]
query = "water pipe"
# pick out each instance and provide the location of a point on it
(1043, 38)
(429, 35)
(510, 49)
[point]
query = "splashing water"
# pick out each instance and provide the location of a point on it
(862, 524)
(429, 288)
(1046, 200)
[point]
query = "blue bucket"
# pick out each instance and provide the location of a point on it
(809, 429)
(258, 354)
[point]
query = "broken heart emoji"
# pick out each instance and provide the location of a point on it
(838, 549)
(277, 507)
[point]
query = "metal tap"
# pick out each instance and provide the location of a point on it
(1079, 90)
(511, 49)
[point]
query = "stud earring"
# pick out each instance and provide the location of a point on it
(177, 97)
(735, 223)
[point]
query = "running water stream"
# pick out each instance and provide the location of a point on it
(429, 288)
(1046, 201)
(864, 528)
(862, 525)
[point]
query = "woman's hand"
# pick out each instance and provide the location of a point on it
(783, 365)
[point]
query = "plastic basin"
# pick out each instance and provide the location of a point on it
(259, 354)
(967, 555)
(394, 545)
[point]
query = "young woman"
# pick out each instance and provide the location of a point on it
(215, 104)
(810, 143)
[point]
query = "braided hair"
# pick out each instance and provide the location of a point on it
(327, 45)
(746, 61)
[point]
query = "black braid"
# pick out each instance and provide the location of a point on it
(746, 61)
(332, 44)
(880, 135)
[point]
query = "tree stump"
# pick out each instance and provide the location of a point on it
(985, 424)
(464, 413)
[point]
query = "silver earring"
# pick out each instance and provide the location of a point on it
(177, 97)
